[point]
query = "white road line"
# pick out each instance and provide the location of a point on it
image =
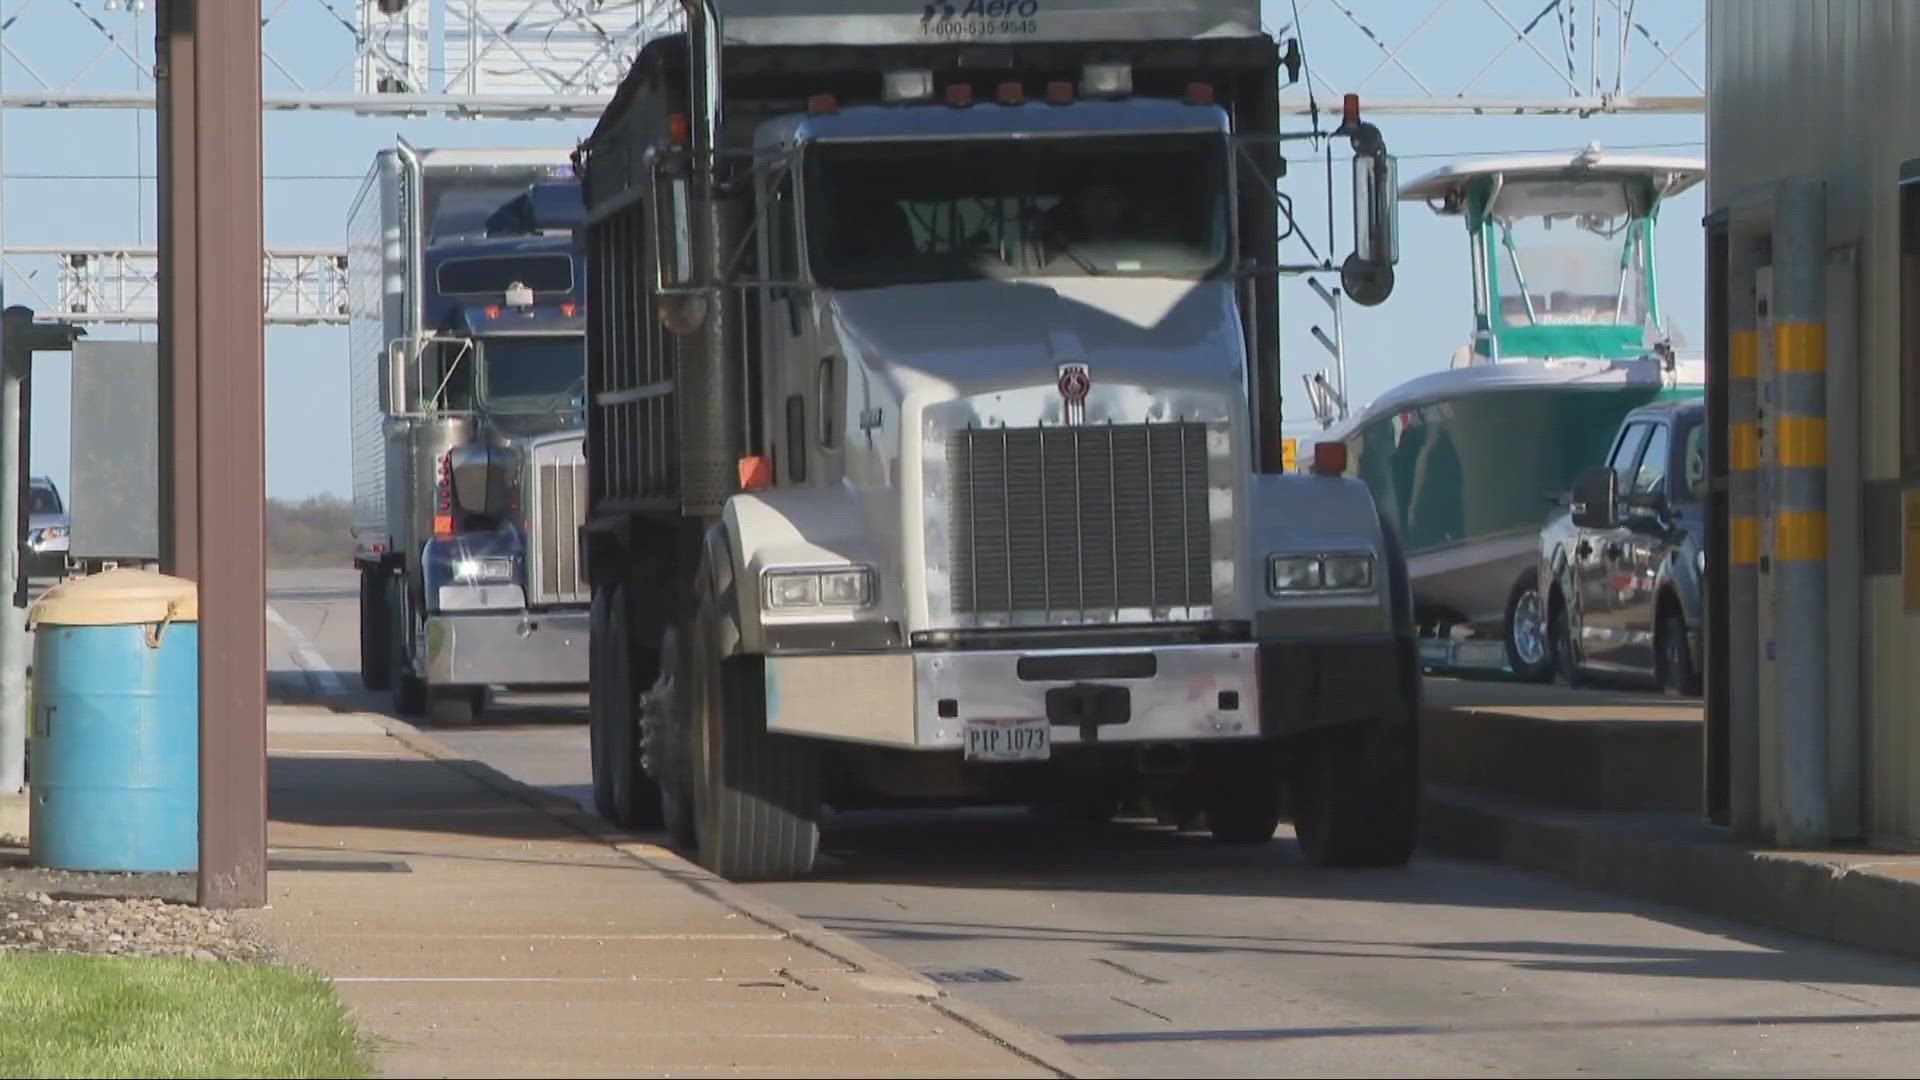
(327, 679)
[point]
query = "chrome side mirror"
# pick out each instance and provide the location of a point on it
(1367, 274)
(397, 362)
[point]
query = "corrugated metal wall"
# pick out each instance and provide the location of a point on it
(1831, 89)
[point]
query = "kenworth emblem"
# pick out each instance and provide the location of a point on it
(1076, 380)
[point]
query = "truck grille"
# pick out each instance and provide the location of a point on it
(1077, 519)
(559, 502)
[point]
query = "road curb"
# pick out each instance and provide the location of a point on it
(1864, 899)
(1037, 1047)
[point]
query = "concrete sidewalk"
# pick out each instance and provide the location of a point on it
(477, 927)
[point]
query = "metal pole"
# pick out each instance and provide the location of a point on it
(1799, 571)
(173, 80)
(13, 627)
(212, 248)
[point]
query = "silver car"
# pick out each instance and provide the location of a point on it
(47, 529)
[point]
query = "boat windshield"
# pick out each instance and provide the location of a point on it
(1569, 252)
(920, 211)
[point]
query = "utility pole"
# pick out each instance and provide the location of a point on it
(213, 410)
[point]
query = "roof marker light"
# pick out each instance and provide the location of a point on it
(1012, 93)
(1106, 80)
(959, 95)
(902, 86)
(1060, 92)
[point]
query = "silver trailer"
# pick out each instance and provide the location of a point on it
(466, 334)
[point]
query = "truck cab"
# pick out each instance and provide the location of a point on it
(934, 437)
(473, 492)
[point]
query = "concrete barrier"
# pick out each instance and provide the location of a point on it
(1864, 898)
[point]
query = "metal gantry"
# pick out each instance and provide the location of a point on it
(563, 58)
(106, 285)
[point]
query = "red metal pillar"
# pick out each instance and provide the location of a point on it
(213, 336)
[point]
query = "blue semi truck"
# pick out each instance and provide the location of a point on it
(466, 327)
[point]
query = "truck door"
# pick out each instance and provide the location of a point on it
(1599, 563)
(792, 358)
(1643, 535)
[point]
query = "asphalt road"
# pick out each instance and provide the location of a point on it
(1157, 954)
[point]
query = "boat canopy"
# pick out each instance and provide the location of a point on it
(1562, 249)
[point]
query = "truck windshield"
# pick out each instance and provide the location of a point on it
(531, 374)
(907, 212)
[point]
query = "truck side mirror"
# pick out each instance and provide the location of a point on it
(1596, 498)
(681, 312)
(397, 357)
(480, 474)
(1367, 274)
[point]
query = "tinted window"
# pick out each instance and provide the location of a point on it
(1651, 477)
(1626, 452)
(490, 275)
(1692, 486)
(43, 501)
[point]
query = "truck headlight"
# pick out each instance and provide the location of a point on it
(1288, 574)
(1348, 571)
(1700, 560)
(1292, 573)
(482, 571)
(851, 587)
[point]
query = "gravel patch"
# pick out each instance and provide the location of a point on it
(45, 910)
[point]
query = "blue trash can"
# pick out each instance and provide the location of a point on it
(115, 725)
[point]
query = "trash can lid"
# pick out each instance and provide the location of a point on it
(123, 597)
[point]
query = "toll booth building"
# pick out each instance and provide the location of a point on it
(1813, 304)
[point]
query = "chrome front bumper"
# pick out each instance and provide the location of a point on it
(507, 649)
(921, 700)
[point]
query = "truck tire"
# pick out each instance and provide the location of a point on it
(756, 795)
(376, 624)
(623, 792)
(453, 706)
(1242, 801)
(409, 690)
(1356, 788)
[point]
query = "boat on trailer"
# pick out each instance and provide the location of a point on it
(1568, 337)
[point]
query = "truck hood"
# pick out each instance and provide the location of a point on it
(956, 339)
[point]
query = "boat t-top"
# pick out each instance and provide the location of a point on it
(1567, 337)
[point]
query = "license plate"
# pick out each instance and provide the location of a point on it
(1009, 740)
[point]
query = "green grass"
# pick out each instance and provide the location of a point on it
(67, 1015)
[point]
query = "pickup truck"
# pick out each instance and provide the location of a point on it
(1623, 566)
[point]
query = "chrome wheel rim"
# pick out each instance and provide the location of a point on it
(1530, 629)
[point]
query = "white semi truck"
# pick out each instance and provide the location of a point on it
(933, 443)
(466, 326)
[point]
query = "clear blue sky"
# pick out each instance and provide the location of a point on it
(70, 180)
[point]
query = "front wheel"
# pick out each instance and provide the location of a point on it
(453, 706)
(1677, 675)
(1356, 789)
(1528, 653)
(409, 689)
(756, 795)
(1560, 638)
